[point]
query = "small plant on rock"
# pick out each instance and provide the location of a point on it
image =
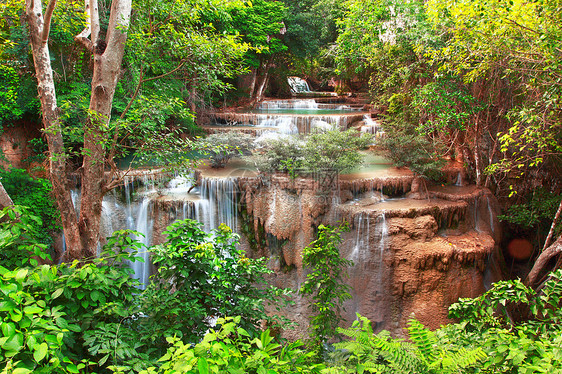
(325, 283)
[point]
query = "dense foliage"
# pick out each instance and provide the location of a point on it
(477, 82)
(332, 150)
(325, 283)
(35, 194)
(91, 317)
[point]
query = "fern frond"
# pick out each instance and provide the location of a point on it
(464, 358)
(424, 340)
(399, 354)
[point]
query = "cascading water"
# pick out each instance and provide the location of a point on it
(144, 225)
(213, 202)
(370, 126)
(298, 85)
(361, 247)
(288, 104)
(221, 194)
(382, 241)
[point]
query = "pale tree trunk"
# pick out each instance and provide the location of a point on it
(553, 227)
(253, 82)
(477, 162)
(5, 199)
(82, 234)
(263, 80)
(39, 34)
(262, 86)
(107, 70)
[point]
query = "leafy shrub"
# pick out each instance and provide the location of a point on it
(19, 238)
(427, 351)
(33, 332)
(518, 328)
(231, 349)
(227, 145)
(201, 277)
(330, 150)
(46, 311)
(35, 194)
(406, 147)
(325, 283)
(536, 211)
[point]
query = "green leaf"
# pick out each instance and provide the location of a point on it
(21, 371)
(202, 366)
(32, 309)
(57, 293)
(40, 352)
(95, 295)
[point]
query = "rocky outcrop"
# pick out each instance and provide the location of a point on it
(412, 257)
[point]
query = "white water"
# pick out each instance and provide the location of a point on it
(298, 85)
(361, 247)
(370, 126)
(144, 225)
(459, 181)
(212, 203)
(289, 104)
(283, 124)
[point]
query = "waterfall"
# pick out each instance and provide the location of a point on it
(221, 195)
(361, 248)
(382, 241)
(301, 124)
(288, 104)
(144, 226)
(459, 181)
(370, 126)
(283, 124)
(298, 85)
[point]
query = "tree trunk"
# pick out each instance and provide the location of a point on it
(107, 70)
(39, 33)
(82, 235)
(253, 83)
(553, 227)
(541, 264)
(264, 79)
(261, 87)
(477, 162)
(5, 199)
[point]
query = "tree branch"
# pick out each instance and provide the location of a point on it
(542, 261)
(142, 80)
(552, 227)
(47, 21)
(92, 26)
(94, 19)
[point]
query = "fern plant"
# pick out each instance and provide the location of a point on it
(425, 353)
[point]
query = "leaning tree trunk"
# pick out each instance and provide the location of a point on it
(108, 57)
(541, 265)
(253, 81)
(264, 79)
(5, 199)
(39, 27)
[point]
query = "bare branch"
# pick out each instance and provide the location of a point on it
(553, 227)
(92, 26)
(94, 17)
(118, 24)
(47, 21)
(142, 80)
